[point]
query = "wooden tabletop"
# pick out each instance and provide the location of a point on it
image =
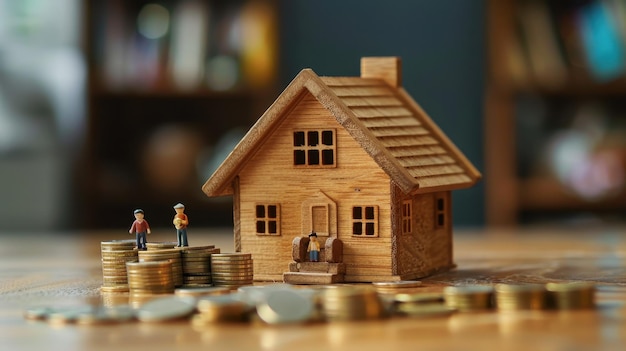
(60, 270)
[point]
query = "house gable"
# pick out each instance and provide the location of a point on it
(384, 121)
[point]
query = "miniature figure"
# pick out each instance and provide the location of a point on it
(180, 223)
(140, 227)
(314, 248)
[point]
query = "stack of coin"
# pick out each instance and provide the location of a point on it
(570, 296)
(172, 255)
(197, 264)
(420, 304)
(232, 269)
(222, 308)
(115, 254)
(340, 303)
(150, 277)
(468, 298)
(520, 297)
(160, 245)
(395, 287)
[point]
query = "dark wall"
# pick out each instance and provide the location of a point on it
(442, 46)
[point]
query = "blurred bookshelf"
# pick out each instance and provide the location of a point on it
(172, 85)
(555, 113)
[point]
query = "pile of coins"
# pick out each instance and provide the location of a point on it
(197, 265)
(232, 269)
(520, 297)
(171, 255)
(507, 297)
(150, 277)
(115, 255)
(340, 303)
(286, 304)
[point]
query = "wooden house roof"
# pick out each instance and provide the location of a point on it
(388, 124)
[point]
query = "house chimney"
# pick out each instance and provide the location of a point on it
(388, 69)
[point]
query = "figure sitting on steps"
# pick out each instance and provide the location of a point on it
(314, 248)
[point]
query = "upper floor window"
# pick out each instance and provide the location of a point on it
(314, 148)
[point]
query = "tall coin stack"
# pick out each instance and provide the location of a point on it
(197, 264)
(341, 303)
(115, 254)
(571, 296)
(520, 297)
(232, 269)
(171, 255)
(469, 298)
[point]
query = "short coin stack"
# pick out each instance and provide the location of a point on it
(571, 296)
(171, 255)
(232, 269)
(222, 308)
(197, 264)
(150, 277)
(115, 254)
(160, 245)
(520, 297)
(420, 305)
(395, 287)
(341, 303)
(469, 298)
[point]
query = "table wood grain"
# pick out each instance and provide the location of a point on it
(64, 269)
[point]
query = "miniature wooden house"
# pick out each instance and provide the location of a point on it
(350, 158)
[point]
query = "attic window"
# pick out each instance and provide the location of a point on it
(314, 148)
(267, 219)
(365, 221)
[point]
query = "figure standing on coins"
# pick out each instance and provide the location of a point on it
(180, 223)
(140, 227)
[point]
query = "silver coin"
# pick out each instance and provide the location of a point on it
(166, 308)
(285, 306)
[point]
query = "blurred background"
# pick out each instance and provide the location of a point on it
(110, 105)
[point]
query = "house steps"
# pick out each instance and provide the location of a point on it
(312, 278)
(315, 273)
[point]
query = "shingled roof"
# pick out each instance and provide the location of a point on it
(380, 115)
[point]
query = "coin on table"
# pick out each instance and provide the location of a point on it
(424, 310)
(285, 306)
(469, 297)
(571, 295)
(418, 298)
(38, 313)
(206, 291)
(67, 315)
(398, 284)
(167, 308)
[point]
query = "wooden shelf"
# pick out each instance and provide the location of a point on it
(548, 194)
(510, 76)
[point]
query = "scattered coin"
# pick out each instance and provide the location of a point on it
(167, 308)
(285, 306)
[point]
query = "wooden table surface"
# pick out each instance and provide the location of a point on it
(61, 270)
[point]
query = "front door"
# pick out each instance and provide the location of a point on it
(319, 215)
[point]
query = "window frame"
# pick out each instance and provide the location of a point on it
(407, 216)
(440, 212)
(364, 221)
(308, 150)
(266, 219)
